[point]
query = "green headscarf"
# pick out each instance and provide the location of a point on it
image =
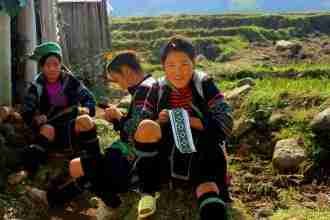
(45, 49)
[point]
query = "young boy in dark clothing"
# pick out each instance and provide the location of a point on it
(109, 174)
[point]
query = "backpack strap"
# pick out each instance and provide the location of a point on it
(198, 79)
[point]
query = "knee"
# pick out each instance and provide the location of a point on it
(75, 168)
(48, 131)
(84, 123)
(206, 187)
(148, 131)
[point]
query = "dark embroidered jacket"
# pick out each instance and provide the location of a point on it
(37, 101)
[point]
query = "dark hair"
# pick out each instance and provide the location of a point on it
(43, 59)
(178, 43)
(128, 58)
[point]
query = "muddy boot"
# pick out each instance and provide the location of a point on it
(89, 142)
(58, 195)
(32, 157)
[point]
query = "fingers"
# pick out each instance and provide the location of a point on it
(83, 111)
(112, 113)
(41, 119)
(163, 116)
(196, 123)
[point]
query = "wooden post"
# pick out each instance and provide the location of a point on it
(27, 30)
(5, 60)
(48, 20)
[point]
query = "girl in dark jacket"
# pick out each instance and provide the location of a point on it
(185, 89)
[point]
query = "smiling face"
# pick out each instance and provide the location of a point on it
(52, 69)
(178, 68)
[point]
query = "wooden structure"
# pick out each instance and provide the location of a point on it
(84, 28)
(81, 26)
(5, 60)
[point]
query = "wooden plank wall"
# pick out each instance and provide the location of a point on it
(84, 29)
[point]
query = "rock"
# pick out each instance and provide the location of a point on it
(283, 45)
(321, 122)
(262, 115)
(326, 48)
(278, 120)
(236, 93)
(264, 213)
(106, 213)
(4, 113)
(288, 155)
(17, 178)
(295, 50)
(37, 195)
(16, 118)
(310, 205)
(210, 50)
(241, 127)
(125, 102)
(200, 58)
(248, 177)
(94, 202)
(246, 81)
(243, 151)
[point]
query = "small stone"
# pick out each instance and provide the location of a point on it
(288, 155)
(17, 178)
(321, 122)
(265, 212)
(241, 127)
(278, 120)
(246, 81)
(238, 92)
(4, 112)
(248, 177)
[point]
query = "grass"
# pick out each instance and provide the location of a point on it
(251, 33)
(273, 92)
(305, 21)
(242, 70)
(228, 45)
(299, 213)
(106, 134)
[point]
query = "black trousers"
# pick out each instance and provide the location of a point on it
(208, 164)
(105, 175)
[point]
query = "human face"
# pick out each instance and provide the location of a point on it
(52, 69)
(119, 79)
(178, 69)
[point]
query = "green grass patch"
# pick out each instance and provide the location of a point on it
(251, 33)
(238, 71)
(305, 22)
(299, 213)
(106, 133)
(274, 92)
